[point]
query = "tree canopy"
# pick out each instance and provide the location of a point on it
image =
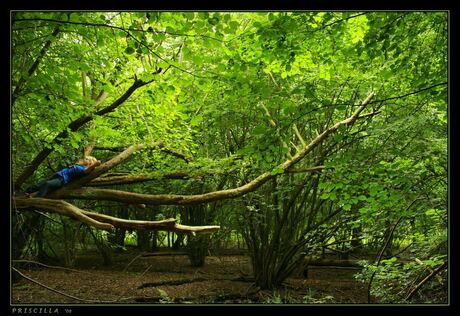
(293, 116)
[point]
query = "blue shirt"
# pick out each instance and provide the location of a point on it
(70, 173)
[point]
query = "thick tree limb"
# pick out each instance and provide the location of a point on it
(107, 222)
(74, 126)
(185, 229)
(171, 199)
(60, 207)
(164, 225)
(178, 175)
(131, 224)
(106, 166)
(128, 179)
(166, 150)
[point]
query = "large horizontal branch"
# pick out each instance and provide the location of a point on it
(172, 199)
(131, 224)
(129, 179)
(115, 161)
(60, 207)
(185, 229)
(165, 225)
(166, 150)
(178, 175)
(106, 222)
(73, 126)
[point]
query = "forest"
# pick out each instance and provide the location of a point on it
(241, 158)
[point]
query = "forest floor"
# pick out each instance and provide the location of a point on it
(137, 279)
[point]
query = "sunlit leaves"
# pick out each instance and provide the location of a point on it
(356, 28)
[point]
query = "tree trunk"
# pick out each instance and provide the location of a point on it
(143, 240)
(154, 241)
(178, 242)
(69, 243)
(197, 246)
(22, 230)
(197, 250)
(104, 249)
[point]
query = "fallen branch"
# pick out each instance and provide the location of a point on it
(171, 282)
(48, 266)
(163, 253)
(331, 262)
(199, 279)
(432, 274)
(420, 262)
(56, 291)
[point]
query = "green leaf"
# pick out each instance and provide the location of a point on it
(129, 50)
(277, 171)
(332, 196)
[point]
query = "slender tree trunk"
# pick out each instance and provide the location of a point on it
(197, 246)
(22, 228)
(104, 249)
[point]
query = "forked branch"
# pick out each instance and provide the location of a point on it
(173, 199)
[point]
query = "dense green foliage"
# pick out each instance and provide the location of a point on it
(224, 76)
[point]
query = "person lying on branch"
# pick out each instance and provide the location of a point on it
(83, 166)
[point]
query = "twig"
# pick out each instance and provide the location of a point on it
(52, 267)
(385, 246)
(420, 262)
(432, 274)
(135, 258)
(126, 291)
(56, 291)
(387, 242)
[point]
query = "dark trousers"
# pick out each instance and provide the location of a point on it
(46, 186)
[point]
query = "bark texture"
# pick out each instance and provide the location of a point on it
(107, 222)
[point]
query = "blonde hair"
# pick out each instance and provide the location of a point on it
(90, 158)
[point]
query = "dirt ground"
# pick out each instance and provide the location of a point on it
(137, 279)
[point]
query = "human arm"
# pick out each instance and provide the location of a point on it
(92, 167)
